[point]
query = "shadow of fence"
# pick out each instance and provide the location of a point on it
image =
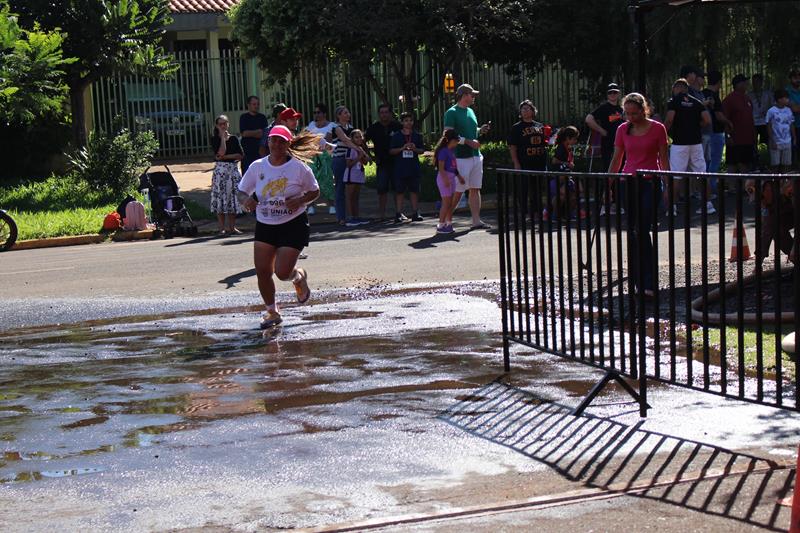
(626, 459)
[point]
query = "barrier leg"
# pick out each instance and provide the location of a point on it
(600, 385)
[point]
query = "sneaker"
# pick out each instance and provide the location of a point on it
(674, 211)
(441, 228)
(621, 210)
(270, 319)
(710, 208)
(447, 229)
(481, 225)
(301, 287)
(602, 210)
(311, 210)
(416, 217)
(362, 221)
(400, 217)
(352, 222)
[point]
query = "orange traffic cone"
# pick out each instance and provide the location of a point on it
(735, 254)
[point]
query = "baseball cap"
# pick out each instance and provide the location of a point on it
(739, 78)
(465, 89)
(289, 113)
(277, 109)
(612, 88)
(282, 132)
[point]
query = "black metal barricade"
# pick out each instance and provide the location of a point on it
(645, 279)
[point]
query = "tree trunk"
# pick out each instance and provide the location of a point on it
(76, 93)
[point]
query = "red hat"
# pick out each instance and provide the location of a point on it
(282, 132)
(289, 113)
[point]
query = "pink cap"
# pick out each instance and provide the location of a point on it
(282, 132)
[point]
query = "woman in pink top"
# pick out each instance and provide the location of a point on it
(643, 144)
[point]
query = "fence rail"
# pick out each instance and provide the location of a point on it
(180, 110)
(602, 269)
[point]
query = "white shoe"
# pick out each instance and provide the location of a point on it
(710, 209)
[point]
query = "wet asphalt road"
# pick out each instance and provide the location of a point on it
(375, 401)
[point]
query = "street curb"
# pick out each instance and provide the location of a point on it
(124, 236)
(74, 240)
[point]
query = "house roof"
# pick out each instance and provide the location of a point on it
(201, 6)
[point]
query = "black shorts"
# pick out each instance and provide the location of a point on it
(406, 183)
(292, 234)
(739, 154)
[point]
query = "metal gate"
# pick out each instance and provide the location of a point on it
(602, 270)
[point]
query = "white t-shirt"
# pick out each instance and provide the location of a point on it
(780, 121)
(324, 130)
(273, 185)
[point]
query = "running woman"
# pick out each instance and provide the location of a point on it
(278, 188)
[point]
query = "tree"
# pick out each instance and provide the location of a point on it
(414, 39)
(31, 63)
(106, 37)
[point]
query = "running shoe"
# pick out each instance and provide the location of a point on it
(481, 225)
(270, 319)
(352, 223)
(400, 217)
(301, 287)
(416, 217)
(445, 229)
(710, 209)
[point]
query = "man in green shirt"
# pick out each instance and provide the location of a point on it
(469, 160)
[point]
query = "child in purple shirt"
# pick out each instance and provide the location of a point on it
(446, 178)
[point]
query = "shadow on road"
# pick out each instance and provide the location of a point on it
(234, 279)
(626, 459)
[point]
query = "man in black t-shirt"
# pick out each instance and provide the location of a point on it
(686, 116)
(714, 140)
(605, 120)
(251, 129)
(380, 134)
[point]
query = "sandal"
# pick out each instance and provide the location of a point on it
(301, 287)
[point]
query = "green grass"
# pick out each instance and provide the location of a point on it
(44, 224)
(750, 351)
(62, 206)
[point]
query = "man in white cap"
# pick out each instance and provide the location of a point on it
(469, 160)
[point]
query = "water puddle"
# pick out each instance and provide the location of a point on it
(104, 389)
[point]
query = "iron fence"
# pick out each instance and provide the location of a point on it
(181, 109)
(640, 277)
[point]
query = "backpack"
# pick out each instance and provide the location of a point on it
(112, 222)
(135, 218)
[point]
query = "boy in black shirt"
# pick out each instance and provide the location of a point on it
(528, 147)
(605, 120)
(686, 116)
(526, 140)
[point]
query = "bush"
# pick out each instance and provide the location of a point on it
(114, 163)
